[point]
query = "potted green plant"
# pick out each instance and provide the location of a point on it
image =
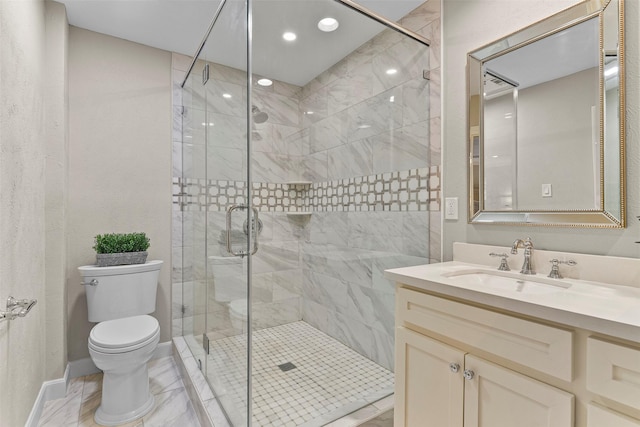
(121, 248)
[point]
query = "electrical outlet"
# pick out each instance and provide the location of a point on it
(451, 208)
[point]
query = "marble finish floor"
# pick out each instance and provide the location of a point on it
(173, 407)
(328, 380)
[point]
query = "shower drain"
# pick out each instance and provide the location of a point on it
(287, 366)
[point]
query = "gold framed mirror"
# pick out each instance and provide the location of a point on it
(546, 124)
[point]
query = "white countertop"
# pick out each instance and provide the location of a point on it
(604, 308)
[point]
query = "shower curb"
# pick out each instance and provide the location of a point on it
(206, 406)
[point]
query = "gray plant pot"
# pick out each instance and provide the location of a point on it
(122, 258)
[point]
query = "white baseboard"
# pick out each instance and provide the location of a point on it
(57, 389)
(50, 390)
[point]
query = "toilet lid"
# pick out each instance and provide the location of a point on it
(125, 332)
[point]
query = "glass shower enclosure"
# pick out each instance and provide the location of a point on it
(305, 174)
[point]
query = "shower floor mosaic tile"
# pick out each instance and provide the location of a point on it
(173, 407)
(329, 379)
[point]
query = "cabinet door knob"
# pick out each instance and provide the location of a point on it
(455, 367)
(468, 374)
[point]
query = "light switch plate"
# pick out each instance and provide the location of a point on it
(451, 208)
(546, 190)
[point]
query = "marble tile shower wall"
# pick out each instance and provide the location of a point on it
(353, 122)
(210, 160)
(367, 123)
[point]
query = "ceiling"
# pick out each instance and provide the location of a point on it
(566, 52)
(179, 26)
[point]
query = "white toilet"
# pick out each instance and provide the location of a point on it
(229, 286)
(120, 298)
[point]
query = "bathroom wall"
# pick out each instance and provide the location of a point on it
(468, 25)
(119, 169)
(56, 113)
(572, 187)
(23, 146)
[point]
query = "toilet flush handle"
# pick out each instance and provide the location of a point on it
(93, 282)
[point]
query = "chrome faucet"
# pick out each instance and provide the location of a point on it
(527, 244)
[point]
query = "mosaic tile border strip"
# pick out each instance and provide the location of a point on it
(410, 190)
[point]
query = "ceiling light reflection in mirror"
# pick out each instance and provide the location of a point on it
(328, 24)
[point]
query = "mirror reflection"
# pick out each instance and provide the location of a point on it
(544, 123)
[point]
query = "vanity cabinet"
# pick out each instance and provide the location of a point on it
(463, 365)
(442, 386)
(568, 343)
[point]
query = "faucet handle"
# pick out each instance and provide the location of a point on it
(555, 270)
(503, 261)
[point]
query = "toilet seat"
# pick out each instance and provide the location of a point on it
(124, 335)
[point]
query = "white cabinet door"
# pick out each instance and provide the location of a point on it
(599, 417)
(428, 393)
(498, 397)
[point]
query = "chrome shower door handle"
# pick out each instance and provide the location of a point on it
(255, 230)
(229, 245)
(241, 253)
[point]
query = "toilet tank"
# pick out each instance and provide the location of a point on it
(121, 290)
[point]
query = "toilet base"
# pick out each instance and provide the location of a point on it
(105, 419)
(126, 395)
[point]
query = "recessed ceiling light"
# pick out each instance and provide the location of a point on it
(328, 24)
(226, 95)
(392, 71)
(289, 36)
(265, 82)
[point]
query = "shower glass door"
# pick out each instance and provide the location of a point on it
(306, 165)
(219, 217)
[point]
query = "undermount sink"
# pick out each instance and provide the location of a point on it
(506, 280)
